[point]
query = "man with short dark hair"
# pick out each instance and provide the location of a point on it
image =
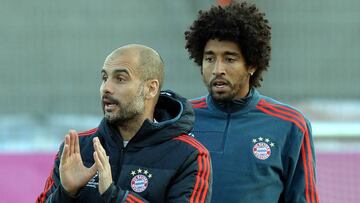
(262, 150)
(141, 151)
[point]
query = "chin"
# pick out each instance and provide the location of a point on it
(112, 120)
(222, 97)
(108, 117)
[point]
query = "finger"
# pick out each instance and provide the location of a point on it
(98, 163)
(101, 153)
(64, 154)
(93, 169)
(101, 148)
(65, 151)
(67, 144)
(77, 145)
(97, 144)
(72, 142)
(67, 139)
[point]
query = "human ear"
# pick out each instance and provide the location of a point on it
(153, 88)
(251, 70)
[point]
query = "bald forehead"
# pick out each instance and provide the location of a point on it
(134, 51)
(140, 58)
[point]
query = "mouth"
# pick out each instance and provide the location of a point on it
(219, 85)
(109, 104)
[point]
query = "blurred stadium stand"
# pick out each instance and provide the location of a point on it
(52, 51)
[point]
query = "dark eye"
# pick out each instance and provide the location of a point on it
(209, 59)
(104, 77)
(230, 60)
(120, 79)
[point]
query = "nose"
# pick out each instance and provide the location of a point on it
(219, 68)
(106, 87)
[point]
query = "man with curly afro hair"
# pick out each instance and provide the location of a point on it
(262, 150)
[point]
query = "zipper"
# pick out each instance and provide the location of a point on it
(120, 163)
(226, 130)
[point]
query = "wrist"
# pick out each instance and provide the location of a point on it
(70, 192)
(113, 193)
(102, 190)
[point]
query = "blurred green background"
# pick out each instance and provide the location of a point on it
(52, 51)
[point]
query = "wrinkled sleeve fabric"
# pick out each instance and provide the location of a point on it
(194, 180)
(300, 184)
(116, 194)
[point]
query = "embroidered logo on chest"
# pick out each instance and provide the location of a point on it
(262, 147)
(140, 180)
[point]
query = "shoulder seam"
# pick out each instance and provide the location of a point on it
(199, 103)
(283, 112)
(192, 141)
(199, 99)
(88, 132)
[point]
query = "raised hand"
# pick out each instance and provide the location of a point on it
(73, 173)
(103, 166)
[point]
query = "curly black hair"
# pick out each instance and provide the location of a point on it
(241, 23)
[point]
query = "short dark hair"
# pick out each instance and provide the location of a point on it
(241, 23)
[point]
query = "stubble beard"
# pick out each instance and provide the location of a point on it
(229, 96)
(223, 97)
(128, 111)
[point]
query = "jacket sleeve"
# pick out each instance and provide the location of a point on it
(116, 194)
(300, 184)
(193, 180)
(191, 184)
(53, 191)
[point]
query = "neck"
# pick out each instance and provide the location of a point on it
(129, 129)
(243, 93)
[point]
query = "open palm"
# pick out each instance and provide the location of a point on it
(73, 173)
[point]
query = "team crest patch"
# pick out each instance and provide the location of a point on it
(262, 148)
(140, 180)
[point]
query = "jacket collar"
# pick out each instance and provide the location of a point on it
(174, 116)
(236, 104)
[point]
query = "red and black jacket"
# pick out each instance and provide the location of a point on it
(161, 163)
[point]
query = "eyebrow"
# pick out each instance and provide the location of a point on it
(118, 70)
(226, 53)
(232, 53)
(208, 53)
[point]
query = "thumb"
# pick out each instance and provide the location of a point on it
(93, 169)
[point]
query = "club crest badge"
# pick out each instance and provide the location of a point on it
(262, 147)
(140, 180)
